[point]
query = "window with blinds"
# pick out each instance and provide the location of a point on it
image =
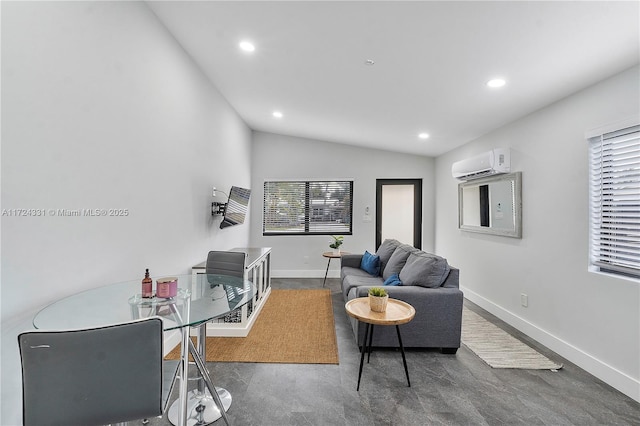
(307, 208)
(615, 202)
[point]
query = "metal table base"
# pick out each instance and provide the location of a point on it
(206, 404)
(201, 407)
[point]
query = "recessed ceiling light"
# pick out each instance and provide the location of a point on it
(247, 46)
(423, 135)
(496, 82)
(369, 62)
(277, 114)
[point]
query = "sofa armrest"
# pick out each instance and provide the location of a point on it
(453, 279)
(352, 260)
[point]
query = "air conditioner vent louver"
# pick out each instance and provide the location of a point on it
(489, 163)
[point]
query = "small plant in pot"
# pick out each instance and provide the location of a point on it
(378, 298)
(337, 242)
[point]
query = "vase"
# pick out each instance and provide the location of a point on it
(378, 304)
(336, 251)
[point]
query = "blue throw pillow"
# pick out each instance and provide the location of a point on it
(393, 280)
(370, 263)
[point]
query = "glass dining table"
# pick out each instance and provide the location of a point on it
(200, 298)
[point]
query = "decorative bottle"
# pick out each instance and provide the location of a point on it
(147, 285)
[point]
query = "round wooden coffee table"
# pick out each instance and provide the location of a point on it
(397, 313)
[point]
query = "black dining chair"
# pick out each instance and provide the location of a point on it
(96, 376)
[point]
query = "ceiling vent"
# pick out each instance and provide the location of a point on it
(488, 163)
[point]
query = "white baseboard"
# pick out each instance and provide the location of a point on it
(608, 374)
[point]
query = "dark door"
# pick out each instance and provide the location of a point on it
(399, 211)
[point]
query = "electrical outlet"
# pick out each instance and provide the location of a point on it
(524, 300)
(306, 260)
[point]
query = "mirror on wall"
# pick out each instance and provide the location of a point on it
(491, 205)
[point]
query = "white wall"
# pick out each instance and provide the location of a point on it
(591, 319)
(284, 157)
(101, 108)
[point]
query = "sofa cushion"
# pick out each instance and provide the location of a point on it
(396, 261)
(358, 280)
(370, 263)
(346, 271)
(385, 251)
(351, 281)
(393, 280)
(425, 270)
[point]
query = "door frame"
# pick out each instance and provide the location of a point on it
(417, 208)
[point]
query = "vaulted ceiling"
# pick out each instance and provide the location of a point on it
(378, 74)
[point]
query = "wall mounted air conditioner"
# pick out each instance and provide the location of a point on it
(488, 163)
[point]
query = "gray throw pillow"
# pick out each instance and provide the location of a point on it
(385, 251)
(396, 261)
(424, 270)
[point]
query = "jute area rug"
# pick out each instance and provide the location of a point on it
(294, 327)
(498, 348)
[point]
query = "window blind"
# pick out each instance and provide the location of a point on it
(307, 207)
(615, 202)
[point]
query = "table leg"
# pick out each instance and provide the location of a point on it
(370, 343)
(179, 407)
(404, 360)
(362, 351)
(206, 378)
(326, 272)
(184, 372)
(207, 403)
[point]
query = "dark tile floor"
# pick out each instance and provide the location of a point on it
(445, 389)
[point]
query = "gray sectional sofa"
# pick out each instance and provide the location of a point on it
(429, 284)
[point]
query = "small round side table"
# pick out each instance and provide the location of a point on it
(331, 255)
(397, 313)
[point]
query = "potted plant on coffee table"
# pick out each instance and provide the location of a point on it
(378, 298)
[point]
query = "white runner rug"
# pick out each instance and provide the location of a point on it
(498, 348)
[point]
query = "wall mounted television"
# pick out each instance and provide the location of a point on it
(236, 209)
